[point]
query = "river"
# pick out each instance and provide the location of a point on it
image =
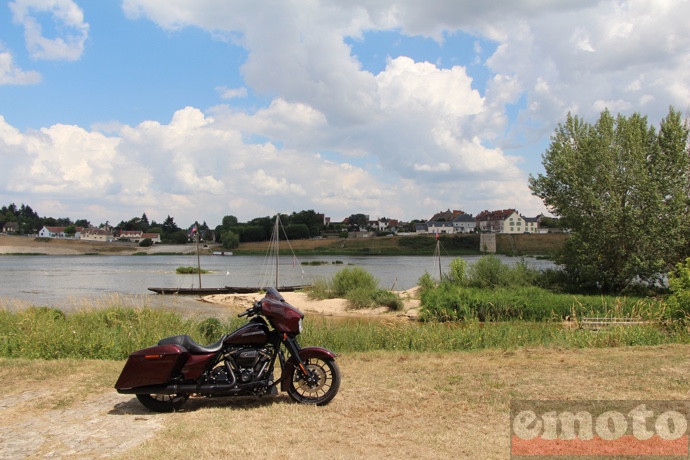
(61, 281)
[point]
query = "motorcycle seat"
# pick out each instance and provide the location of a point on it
(191, 346)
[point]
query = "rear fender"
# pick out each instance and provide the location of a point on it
(304, 354)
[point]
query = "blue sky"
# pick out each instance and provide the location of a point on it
(200, 109)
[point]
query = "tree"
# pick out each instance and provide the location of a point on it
(311, 219)
(297, 232)
(358, 221)
(229, 221)
(230, 240)
(622, 189)
(169, 226)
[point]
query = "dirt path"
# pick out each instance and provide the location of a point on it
(100, 426)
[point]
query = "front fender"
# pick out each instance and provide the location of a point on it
(304, 354)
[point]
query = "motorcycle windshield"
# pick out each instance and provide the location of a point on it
(272, 293)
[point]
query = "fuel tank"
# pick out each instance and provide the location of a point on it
(255, 332)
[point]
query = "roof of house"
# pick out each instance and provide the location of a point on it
(96, 231)
(62, 229)
(495, 215)
(465, 218)
(446, 215)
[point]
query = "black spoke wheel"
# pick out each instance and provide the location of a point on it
(321, 384)
(163, 403)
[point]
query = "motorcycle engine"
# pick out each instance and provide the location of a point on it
(249, 364)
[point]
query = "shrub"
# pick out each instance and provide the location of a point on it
(349, 279)
(425, 283)
(489, 272)
(320, 289)
(457, 272)
(146, 242)
(522, 275)
(367, 298)
(679, 283)
(359, 298)
(388, 299)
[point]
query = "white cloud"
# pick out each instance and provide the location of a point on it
(336, 137)
(227, 93)
(13, 75)
(74, 31)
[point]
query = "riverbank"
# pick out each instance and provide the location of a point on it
(419, 245)
(24, 245)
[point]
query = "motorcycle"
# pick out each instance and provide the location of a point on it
(241, 363)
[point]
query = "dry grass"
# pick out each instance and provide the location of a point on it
(391, 405)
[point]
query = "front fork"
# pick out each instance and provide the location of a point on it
(293, 348)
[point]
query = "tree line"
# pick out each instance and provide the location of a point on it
(298, 225)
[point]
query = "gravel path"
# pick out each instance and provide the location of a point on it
(99, 427)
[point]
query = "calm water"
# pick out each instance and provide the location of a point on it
(59, 280)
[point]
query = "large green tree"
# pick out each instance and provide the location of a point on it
(622, 189)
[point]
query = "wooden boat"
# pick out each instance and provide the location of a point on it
(221, 290)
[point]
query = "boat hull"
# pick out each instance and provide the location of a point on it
(220, 290)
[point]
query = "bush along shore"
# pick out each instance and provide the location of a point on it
(488, 305)
(113, 333)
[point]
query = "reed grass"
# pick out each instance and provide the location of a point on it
(450, 302)
(116, 331)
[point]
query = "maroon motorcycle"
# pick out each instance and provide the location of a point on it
(241, 363)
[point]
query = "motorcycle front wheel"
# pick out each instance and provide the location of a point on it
(320, 387)
(162, 403)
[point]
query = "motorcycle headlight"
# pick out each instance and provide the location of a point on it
(299, 325)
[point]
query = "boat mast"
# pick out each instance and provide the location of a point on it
(198, 259)
(275, 232)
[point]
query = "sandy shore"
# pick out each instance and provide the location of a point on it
(328, 307)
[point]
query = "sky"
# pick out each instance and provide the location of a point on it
(198, 109)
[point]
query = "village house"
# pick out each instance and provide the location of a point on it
(136, 236)
(440, 227)
(97, 234)
(131, 235)
(9, 227)
(448, 222)
(464, 223)
(506, 221)
(59, 232)
(155, 237)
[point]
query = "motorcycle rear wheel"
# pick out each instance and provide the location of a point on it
(162, 403)
(323, 386)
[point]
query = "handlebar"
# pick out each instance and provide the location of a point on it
(251, 311)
